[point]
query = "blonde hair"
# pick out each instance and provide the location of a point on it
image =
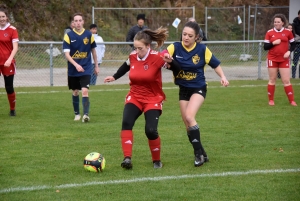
(159, 35)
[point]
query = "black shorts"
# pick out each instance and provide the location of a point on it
(79, 82)
(185, 93)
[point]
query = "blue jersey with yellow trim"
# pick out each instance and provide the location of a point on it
(192, 62)
(80, 46)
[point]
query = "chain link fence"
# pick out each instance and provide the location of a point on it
(44, 64)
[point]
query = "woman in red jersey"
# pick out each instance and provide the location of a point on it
(145, 95)
(8, 49)
(280, 42)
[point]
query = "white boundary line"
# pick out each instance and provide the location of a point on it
(165, 88)
(144, 179)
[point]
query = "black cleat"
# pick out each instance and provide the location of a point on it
(206, 159)
(157, 164)
(126, 163)
(199, 160)
(12, 113)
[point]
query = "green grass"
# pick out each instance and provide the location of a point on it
(42, 149)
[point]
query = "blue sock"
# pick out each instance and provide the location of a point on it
(76, 104)
(86, 105)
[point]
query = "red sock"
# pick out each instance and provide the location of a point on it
(12, 100)
(154, 146)
(127, 142)
(271, 91)
(289, 92)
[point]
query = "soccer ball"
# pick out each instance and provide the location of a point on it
(94, 162)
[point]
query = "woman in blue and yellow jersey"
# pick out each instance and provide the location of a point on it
(192, 57)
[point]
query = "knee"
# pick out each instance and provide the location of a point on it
(9, 89)
(189, 119)
(75, 93)
(151, 133)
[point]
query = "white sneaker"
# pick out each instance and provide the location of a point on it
(77, 117)
(85, 118)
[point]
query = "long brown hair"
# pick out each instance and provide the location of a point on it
(3, 8)
(159, 35)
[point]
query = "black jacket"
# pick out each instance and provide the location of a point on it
(132, 31)
(296, 26)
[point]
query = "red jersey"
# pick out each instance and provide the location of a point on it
(277, 51)
(145, 77)
(8, 36)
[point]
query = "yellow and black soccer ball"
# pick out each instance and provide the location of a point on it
(94, 162)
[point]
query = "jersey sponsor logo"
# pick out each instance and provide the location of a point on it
(196, 59)
(128, 98)
(86, 40)
(186, 75)
(273, 36)
(146, 67)
(132, 67)
(79, 55)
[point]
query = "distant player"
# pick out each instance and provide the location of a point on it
(78, 45)
(8, 48)
(280, 42)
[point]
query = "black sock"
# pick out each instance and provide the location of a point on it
(195, 139)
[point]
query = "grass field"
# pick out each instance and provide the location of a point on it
(254, 149)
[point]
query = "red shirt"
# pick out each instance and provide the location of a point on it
(145, 77)
(8, 35)
(277, 51)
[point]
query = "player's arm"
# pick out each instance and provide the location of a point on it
(94, 53)
(12, 54)
(124, 68)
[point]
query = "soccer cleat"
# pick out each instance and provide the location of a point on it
(126, 163)
(85, 118)
(157, 164)
(77, 117)
(206, 159)
(12, 113)
(199, 160)
(271, 103)
(293, 103)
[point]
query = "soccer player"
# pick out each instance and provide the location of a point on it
(145, 95)
(8, 48)
(78, 45)
(192, 57)
(280, 42)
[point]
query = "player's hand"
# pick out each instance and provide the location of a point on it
(224, 82)
(276, 42)
(167, 57)
(7, 63)
(109, 79)
(79, 68)
(287, 54)
(97, 70)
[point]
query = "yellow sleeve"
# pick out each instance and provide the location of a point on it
(171, 49)
(67, 39)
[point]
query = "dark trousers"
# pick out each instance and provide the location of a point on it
(295, 60)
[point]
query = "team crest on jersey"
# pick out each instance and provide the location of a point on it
(5, 34)
(196, 59)
(86, 40)
(146, 67)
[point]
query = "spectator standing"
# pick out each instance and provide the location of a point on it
(279, 42)
(296, 56)
(78, 45)
(100, 50)
(191, 82)
(136, 28)
(145, 94)
(8, 48)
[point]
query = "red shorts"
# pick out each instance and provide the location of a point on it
(275, 64)
(143, 106)
(8, 70)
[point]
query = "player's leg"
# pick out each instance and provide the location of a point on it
(130, 114)
(272, 70)
(288, 88)
(74, 85)
(152, 118)
(85, 83)
(11, 95)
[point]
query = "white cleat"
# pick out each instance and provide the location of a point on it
(85, 118)
(77, 117)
